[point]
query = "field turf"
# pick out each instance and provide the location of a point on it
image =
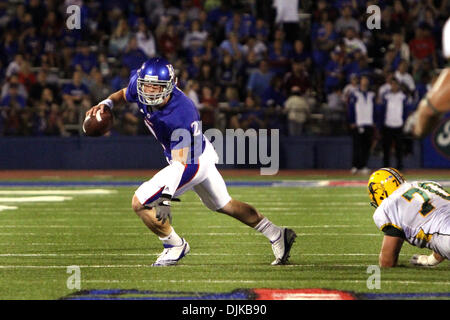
(337, 242)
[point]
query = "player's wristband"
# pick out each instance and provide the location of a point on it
(107, 102)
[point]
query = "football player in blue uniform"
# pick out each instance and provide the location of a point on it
(174, 121)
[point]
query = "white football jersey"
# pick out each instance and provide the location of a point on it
(419, 210)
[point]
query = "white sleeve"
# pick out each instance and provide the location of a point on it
(380, 218)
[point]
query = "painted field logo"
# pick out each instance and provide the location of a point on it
(441, 138)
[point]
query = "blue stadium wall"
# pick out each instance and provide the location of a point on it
(145, 153)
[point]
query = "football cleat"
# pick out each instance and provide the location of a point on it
(172, 254)
(282, 246)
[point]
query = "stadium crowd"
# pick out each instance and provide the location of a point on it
(245, 64)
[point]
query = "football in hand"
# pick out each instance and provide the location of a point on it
(98, 125)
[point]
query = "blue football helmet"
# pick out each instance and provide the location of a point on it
(155, 72)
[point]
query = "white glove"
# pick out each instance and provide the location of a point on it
(423, 260)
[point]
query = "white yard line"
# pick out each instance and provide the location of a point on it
(57, 192)
(34, 199)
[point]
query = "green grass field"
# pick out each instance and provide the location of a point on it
(337, 242)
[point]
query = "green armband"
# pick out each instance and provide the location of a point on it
(431, 106)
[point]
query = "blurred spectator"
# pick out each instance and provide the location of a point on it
(325, 41)
(362, 124)
(261, 30)
(279, 58)
(259, 79)
(26, 76)
(133, 57)
(47, 119)
(231, 46)
(14, 66)
(13, 99)
(211, 52)
(385, 87)
(195, 38)
(130, 120)
(99, 90)
(252, 115)
(84, 60)
(52, 25)
(31, 42)
(119, 39)
(273, 95)
(103, 65)
(204, 78)
(405, 79)
(393, 116)
(227, 72)
(334, 112)
(287, 17)
(192, 91)
(229, 108)
(399, 15)
(333, 72)
(220, 15)
(346, 21)
(209, 107)
(14, 81)
(256, 47)
(297, 109)
(350, 88)
(75, 91)
(353, 42)
(145, 39)
(194, 66)
(239, 24)
(10, 46)
(423, 46)
(323, 7)
(300, 54)
(401, 49)
(39, 86)
(120, 80)
(298, 77)
(169, 42)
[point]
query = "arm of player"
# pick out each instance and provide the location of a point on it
(436, 103)
(390, 250)
(117, 98)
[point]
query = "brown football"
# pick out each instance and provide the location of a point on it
(98, 125)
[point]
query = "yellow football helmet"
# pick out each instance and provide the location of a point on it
(383, 183)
